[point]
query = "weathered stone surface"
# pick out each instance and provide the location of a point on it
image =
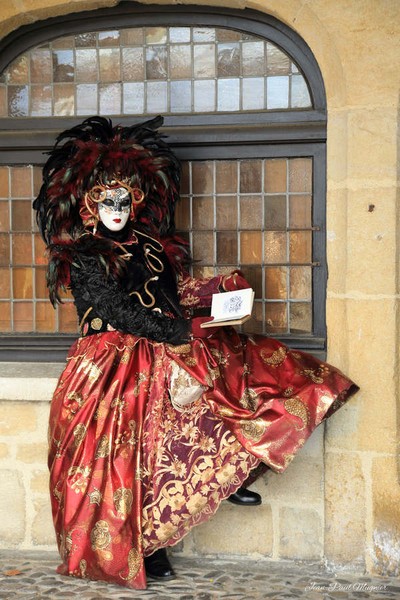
(33, 453)
(301, 533)
(42, 526)
(236, 530)
(17, 418)
(4, 450)
(386, 516)
(40, 482)
(345, 508)
(12, 508)
(301, 483)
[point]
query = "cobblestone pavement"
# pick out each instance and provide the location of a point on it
(31, 576)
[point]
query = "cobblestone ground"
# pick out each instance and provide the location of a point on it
(31, 576)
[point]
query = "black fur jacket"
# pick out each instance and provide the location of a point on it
(127, 285)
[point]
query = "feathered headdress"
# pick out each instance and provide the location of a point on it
(96, 151)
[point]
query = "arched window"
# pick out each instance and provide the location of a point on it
(244, 109)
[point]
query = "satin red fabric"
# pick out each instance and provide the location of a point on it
(130, 474)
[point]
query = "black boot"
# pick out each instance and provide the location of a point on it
(244, 497)
(158, 566)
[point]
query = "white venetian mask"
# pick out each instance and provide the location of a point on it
(115, 209)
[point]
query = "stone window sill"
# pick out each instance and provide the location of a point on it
(28, 382)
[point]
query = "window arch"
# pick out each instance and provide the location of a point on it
(244, 108)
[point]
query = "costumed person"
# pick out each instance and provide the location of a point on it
(154, 420)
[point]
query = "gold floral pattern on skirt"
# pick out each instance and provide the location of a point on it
(95, 497)
(316, 375)
(123, 499)
(249, 399)
(134, 564)
(253, 430)
(296, 407)
(276, 358)
(103, 447)
(79, 434)
(100, 535)
(83, 567)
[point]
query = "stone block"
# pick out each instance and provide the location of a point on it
(27, 389)
(12, 508)
(301, 483)
(372, 343)
(372, 145)
(16, 418)
(386, 516)
(236, 530)
(362, 71)
(337, 138)
(33, 453)
(372, 241)
(345, 508)
(40, 482)
(42, 526)
(336, 238)
(300, 533)
(337, 331)
(4, 450)
(342, 428)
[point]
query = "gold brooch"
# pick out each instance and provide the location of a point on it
(96, 324)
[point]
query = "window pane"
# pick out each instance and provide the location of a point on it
(300, 283)
(226, 212)
(226, 176)
(277, 92)
(203, 247)
(5, 317)
(251, 247)
(275, 175)
(21, 182)
(204, 95)
(45, 317)
(4, 284)
(228, 60)
(275, 212)
(276, 318)
(203, 213)
(21, 215)
(4, 216)
(275, 247)
(4, 180)
(227, 248)
(250, 212)
(67, 318)
(180, 61)
(250, 176)
(276, 283)
(300, 317)
(181, 96)
(23, 316)
(300, 170)
(228, 94)
(86, 69)
(300, 246)
(21, 248)
(22, 283)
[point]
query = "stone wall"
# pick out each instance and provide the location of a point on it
(341, 499)
(25, 518)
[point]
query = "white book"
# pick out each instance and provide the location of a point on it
(231, 308)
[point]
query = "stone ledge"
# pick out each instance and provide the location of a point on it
(28, 382)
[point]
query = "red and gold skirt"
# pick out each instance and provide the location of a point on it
(132, 472)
